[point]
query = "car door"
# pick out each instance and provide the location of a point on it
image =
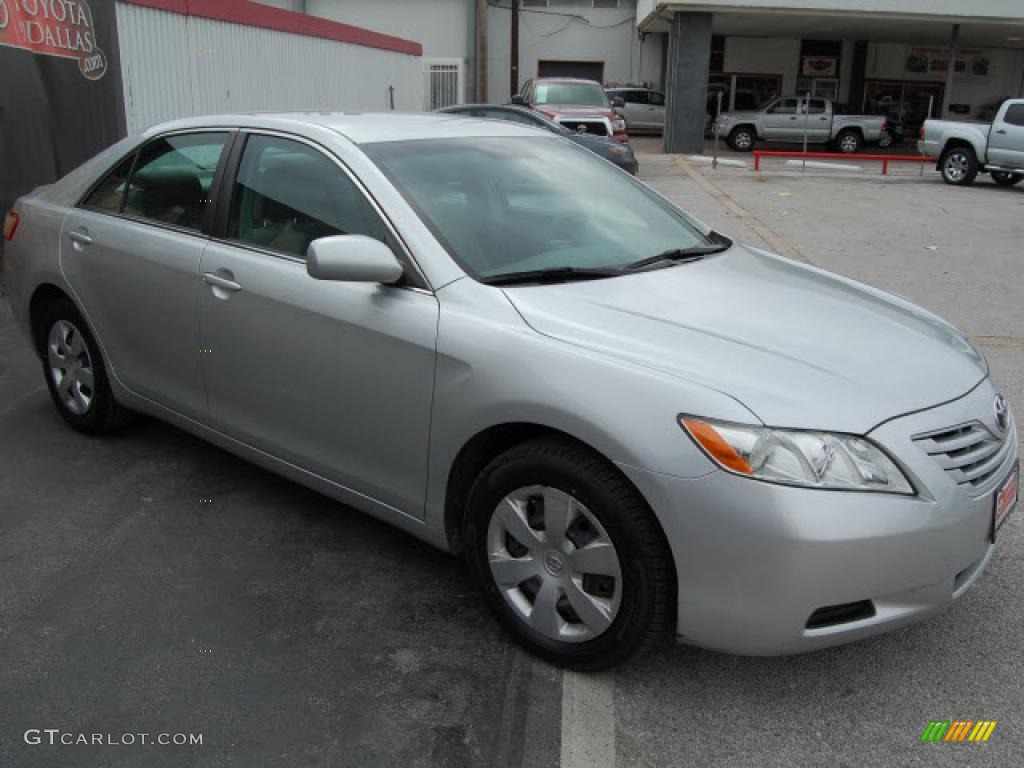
(1006, 139)
(818, 122)
(334, 377)
(131, 253)
(656, 111)
(635, 109)
(780, 121)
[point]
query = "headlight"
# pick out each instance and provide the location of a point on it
(618, 126)
(791, 457)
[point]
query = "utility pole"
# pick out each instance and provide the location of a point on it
(481, 51)
(513, 51)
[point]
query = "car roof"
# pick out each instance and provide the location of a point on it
(358, 127)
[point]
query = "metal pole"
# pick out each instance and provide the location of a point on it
(931, 103)
(807, 119)
(714, 130)
(481, 51)
(954, 51)
(513, 52)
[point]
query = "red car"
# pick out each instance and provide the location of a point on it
(579, 105)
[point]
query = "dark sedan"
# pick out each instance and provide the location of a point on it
(610, 149)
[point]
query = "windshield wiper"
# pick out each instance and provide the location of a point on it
(680, 255)
(550, 275)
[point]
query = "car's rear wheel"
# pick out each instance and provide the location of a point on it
(75, 374)
(568, 555)
(742, 139)
(959, 166)
(1004, 179)
(849, 142)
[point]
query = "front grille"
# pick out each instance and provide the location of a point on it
(969, 453)
(593, 127)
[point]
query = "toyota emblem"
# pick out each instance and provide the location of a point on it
(581, 128)
(1002, 411)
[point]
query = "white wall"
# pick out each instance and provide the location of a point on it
(764, 56)
(571, 33)
(177, 66)
(441, 26)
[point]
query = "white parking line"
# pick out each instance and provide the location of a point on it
(588, 721)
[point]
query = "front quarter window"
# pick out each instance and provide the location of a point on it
(509, 205)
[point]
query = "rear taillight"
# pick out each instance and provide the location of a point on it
(10, 225)
(922, 133)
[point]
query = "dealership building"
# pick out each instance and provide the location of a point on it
(81, 73)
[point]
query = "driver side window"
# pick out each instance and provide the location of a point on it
(784, 107)
(288, 194)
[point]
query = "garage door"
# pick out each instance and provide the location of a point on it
(589, 70)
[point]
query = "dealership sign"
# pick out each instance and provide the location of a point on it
(54, 28)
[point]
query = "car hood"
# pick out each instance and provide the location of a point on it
(798, 346)
(568, 110)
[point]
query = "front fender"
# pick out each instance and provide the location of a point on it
(493, 369)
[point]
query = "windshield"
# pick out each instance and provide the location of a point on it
(504, 205)
(583, 94)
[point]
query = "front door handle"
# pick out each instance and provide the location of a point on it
(1001, 132)
(212, 278)
(80, 236)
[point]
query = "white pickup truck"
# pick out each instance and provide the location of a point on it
(790, 117)
(966, 149)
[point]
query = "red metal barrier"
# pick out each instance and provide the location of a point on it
(885, 159)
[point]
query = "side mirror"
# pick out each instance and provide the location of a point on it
(618, 102)
(353, 259)
(517, 99)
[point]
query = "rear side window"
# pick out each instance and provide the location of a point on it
(1015, 115)
(817, 107)
(109, 193)
(172, 179)
(657, 99)
(288, 194)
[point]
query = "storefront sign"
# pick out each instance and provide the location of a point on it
(970, 62)
(54, 28)
(818, 66)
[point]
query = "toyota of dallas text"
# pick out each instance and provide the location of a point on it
(630, 426)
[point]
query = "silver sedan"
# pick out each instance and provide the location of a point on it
(630, 426)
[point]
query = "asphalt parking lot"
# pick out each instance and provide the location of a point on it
(289, 630)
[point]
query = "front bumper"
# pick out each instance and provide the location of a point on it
(755, 560)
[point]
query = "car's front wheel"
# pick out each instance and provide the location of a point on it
(75, 374)
(568, 555)
(1005, 179)
(742, 139)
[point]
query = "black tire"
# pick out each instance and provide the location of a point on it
(849, 142)
(742, 139)
(885, 140)
(959, 166)
(104, 413)
(646, 613)
(1005, 179)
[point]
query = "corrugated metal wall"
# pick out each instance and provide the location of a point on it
(177, 66)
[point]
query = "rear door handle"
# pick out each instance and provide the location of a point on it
(80, 236)
(1001, 131)
(211, 278)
